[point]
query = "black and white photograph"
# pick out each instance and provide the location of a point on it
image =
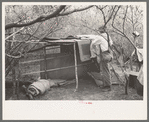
(88, 54)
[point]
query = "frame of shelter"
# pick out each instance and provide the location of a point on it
(51, 42)
(47, 42)
(64, 42)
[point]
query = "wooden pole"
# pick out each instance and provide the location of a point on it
(14, 81)
(45, 62)
(14, 33)
(126, 87)
(76, 72)
(137, 65)
(135, 43)
(131, 63)
(55, 69)
(18, 79)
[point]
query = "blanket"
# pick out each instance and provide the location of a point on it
(84, 49)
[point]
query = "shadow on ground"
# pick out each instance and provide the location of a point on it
(88, 90)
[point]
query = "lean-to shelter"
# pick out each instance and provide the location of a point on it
(72, 61)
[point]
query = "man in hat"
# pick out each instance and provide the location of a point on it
(105, 57)
(101, 55)
(101, 48)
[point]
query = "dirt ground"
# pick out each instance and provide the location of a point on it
(88, 90)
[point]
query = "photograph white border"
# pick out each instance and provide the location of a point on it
(75, 110)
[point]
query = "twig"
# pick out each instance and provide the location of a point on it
(103, 14)
(110, 17)
(120, 30)
(76, 10)
(14, 33)
(118, 33)
(104, 18)
(16, 57)
(125, 19)
(39, 19)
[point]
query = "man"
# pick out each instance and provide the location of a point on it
(101, 55)
(100, 50)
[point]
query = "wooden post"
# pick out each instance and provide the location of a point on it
(76, 72)
(126, 87)
(131, 63)
(137, 64)
(18, 79)
(135, 41)
(45, 62)
(14, 81)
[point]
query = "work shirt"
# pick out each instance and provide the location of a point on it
(97, 42)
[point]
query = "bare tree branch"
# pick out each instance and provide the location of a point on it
(25, 52)
(110, 17)
(16, 57)
(132, 17)
(47, 32)
(14, 33)
(118, 33)
(16, 49)
(103, 14)
(125, 19)
(43, 18)
(76, 10)
(39, 19)
(124, 35)
(104, 7)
